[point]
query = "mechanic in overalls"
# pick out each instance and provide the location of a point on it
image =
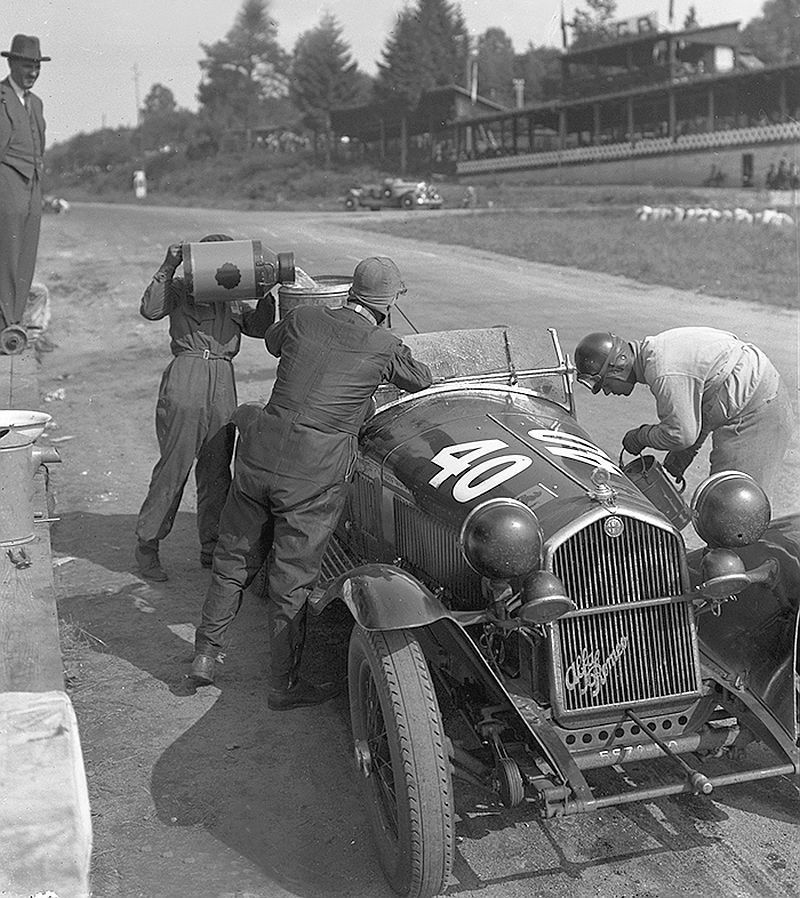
(196, 400)
(705, 381)
(294, 460)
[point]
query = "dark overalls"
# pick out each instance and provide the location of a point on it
(293, 464)
(196, 399)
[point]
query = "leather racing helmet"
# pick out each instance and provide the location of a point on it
(596, 356)
(376, 283)
(730, 509)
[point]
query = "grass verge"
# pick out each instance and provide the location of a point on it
(758, 263)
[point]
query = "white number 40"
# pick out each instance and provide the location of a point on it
(461, 461)
(473, 477)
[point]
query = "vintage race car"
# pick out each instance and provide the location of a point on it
(393, 193)
(527, 620)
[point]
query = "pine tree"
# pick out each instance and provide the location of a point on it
(496, 66)
(244, 70)
(324, 77)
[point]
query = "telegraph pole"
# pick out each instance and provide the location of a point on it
(136, 92)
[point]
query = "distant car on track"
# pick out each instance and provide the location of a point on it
(393, 193)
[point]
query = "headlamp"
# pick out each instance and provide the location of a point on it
(501, 539)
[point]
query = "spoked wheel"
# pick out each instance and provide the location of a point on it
(402, 760)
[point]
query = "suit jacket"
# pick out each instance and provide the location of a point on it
(13, 116)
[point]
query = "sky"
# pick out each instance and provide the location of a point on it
(107, 54)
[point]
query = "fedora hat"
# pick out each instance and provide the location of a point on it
(25, 46)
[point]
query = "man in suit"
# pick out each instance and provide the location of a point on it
(22, 143)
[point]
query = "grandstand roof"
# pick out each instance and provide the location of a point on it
(614, 51)
(437, 107)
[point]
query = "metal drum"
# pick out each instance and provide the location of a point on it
(326, 290)
(224, 270)
(651, 478)
(18, 430)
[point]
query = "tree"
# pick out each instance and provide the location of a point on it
(161, 122)
(323, 77)
(496, 66)
(428, 47)
(401, 75)
(541, 69)
(595, 25)
(774, 37)
(243, 72)
(444, 36)
(159, 101)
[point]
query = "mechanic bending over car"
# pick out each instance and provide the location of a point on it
(196, 399)
(294, 460)
(705, 381)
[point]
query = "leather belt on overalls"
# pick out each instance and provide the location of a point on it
(203, 354)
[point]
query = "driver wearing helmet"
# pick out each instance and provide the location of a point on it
(294, 460)
(705, 381)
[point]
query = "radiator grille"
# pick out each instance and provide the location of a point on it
(622, 653)
(624, 656)
(433, 553)
(644, 562)
(361, 534)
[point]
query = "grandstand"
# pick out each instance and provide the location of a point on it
(652, 106)
(648, 106)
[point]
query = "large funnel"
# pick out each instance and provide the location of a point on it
(322, 290)
(19, 428)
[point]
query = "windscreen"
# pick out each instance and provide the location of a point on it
(500, 355)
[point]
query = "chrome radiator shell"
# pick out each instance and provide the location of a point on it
(633, 640)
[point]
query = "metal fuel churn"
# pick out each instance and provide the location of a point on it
(19, 461)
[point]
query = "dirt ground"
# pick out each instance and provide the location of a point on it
(206, 792)
(176, 777)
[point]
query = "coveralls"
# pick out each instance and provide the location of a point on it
(196, 399)
(709, 381)
(292, 468)
(22, 139)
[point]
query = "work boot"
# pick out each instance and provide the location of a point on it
(300, 695)
(203, 666)
(149, 564)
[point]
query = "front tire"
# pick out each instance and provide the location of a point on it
(407, 202)
(402, 759)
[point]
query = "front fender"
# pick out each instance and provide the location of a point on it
(754, 637)
(383, 597)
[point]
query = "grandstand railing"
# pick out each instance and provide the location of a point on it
(632, 149)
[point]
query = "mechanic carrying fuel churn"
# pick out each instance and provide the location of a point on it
(705, 381)
(196, 399)
(293, 464)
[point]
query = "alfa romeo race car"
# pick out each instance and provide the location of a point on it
(526, 619)
(394, 193)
